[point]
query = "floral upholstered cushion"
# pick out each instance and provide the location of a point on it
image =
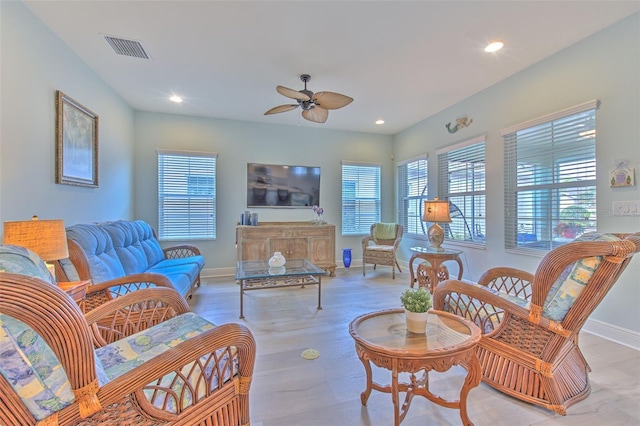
(573, 280)
(20, 260)
(32, 369)
(130, 352)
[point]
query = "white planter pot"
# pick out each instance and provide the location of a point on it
(416, 322)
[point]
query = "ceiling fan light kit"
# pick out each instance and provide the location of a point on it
(315, 106)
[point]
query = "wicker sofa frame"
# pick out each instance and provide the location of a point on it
(381, 251)
(522, 353)
(73, 338)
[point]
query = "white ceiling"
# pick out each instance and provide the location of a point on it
(401, 61)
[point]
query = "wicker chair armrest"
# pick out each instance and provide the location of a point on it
(133, 282)
(557, 260)
(470, 290)
(59, 321)
(508, 280)
(134, 312)
(205, 344)
(456, 288)
(396, 244)
(366, 240)
(180, 251)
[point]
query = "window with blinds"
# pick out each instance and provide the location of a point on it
(550, 179)
(461, 181)
(411, 192)
(360, 197)
(186, 195)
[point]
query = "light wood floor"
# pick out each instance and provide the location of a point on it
(288, 390)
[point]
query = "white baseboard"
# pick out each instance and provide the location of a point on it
(613, 333)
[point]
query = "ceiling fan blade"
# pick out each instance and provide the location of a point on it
(316, 114)
(281, 108)
(331, 100)
(293, 94)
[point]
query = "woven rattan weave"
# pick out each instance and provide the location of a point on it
(381, 251)
(128, 399)
(523, 353)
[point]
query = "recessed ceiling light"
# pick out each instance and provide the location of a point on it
(379, 122)
(175, 98)
(494, 46)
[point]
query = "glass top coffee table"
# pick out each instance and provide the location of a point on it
(382, 339)
(257, 275)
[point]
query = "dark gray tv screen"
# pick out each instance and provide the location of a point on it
(272, 185)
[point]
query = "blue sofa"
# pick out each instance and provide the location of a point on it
(123, 256)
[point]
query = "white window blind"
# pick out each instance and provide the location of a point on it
(186, 195)
(550, 179)
(461, 181)
(411, 192)
(360, 197)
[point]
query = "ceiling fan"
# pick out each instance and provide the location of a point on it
(315, 106)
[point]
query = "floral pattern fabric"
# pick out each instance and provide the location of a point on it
(20, 260)
(130, 352)
(32, 369)
(573, 280)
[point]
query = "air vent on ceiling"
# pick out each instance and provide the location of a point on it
(127, 47)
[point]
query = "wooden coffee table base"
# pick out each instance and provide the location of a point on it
(382, 338)
(420, 385)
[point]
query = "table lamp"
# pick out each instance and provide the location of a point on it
(46, 238)
(436, 211)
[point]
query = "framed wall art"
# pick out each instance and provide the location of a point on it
(622, 175)
(76, 143)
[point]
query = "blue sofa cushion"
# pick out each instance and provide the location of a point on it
(128, 246)
(119, 248)
(103, 259)
(197, 261)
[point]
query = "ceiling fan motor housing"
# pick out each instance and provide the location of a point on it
(305, 78)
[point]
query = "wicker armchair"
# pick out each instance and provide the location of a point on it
(380, 246)
(185, 370)
(529, 348)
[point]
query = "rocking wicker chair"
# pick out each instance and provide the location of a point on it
(529, 348)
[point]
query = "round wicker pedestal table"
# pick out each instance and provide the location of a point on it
(382, 339)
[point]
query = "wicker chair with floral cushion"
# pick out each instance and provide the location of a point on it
(529, 348)
(380, 246)
(59, 367)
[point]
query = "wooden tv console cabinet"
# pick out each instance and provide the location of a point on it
(295, 240)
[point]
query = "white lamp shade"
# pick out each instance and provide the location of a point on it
(436, 211)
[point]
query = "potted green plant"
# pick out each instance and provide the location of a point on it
(416, 303)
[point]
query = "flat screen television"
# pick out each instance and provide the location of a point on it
(274, 185)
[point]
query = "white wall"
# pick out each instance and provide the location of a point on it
(34, 64)
(605, 66)
(238, 143)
